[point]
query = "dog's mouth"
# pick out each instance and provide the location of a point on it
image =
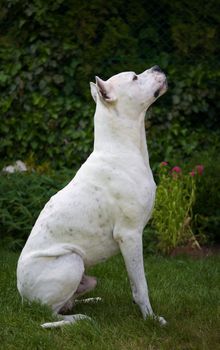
(162, 89)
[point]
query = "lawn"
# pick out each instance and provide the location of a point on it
(184, 291)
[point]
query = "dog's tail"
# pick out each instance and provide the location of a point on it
(66, 320)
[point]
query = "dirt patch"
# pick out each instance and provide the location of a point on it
(195, 252)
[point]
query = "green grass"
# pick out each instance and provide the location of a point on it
(184, 291)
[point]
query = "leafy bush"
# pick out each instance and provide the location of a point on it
(50, 51)
(172, 213)
(22, 197)
(185, 120)
(206, 207)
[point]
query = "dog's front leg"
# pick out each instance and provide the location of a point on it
(132, 250)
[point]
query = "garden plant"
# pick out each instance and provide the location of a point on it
(173, 211)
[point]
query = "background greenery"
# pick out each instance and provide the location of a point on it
(50, 50)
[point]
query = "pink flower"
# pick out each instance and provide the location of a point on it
(200, 169)
(163, 164)
(192, 173)
(176, 169)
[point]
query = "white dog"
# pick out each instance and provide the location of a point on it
(104, 208)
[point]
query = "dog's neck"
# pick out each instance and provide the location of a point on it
(117, 133)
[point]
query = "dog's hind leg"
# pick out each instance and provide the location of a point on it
(57, 285)
(87, 284)
(66, 320)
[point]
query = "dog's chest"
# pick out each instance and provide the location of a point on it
(134, 195)
(128, 183)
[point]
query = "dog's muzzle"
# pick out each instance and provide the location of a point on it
(164, 85)
(156, 69)
(162, 89)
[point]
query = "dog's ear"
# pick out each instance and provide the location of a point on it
(105, 90)
(93, 89)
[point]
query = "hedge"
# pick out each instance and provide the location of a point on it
(50, 50)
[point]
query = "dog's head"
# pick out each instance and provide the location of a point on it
(130, 91)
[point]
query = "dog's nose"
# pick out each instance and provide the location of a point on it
(156, 69)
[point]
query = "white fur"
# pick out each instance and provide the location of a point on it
(105, 207)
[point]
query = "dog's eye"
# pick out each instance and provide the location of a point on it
(135, 77)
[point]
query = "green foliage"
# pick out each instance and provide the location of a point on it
(191, 32)
(206, 207)
(22, 197)
(172, 213)
(186, 119)
(49, 52)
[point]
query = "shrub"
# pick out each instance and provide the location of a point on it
(206, 206)
(172, 215)
(185, 121)
(22, 197)
(51, 50)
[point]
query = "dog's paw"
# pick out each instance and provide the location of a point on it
(161, 320)
(158, 319)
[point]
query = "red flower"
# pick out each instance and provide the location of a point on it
(200, 169)
(192, 173)
(176, 169)
(163, 164)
